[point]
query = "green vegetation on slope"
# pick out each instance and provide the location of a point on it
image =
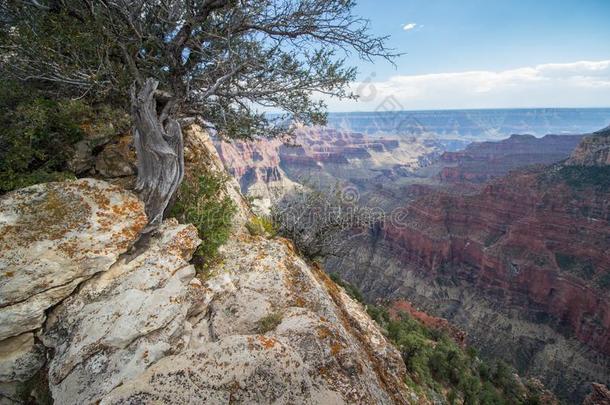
(39, 131)
(604, 281)
(578, 177)
(202, 202)
(261, 226)
(572, 264)
(440, 369)
(269, 322)
(581, 176)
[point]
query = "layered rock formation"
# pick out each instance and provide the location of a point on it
(483, 161)
(593, 151)
(256, 167)
(86, 320)
(523, 267)
(320, 157)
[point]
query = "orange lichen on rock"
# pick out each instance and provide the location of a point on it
(266, 342)
(336, 348)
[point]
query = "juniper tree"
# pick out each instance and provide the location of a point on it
(170, 61)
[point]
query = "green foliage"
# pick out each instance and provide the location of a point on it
(379, 314)
(572, 264)
(282, 53)
(10, 180)
(565, 261)
(38, 134)
(203, 203)
(35, 390)
(438, 365)
(604, 281)
(261, 226)
(437, 361)
(579, 177)
(582, 176)
(269, 322)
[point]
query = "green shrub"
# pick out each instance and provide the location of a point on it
(203, 203)
(38, 134)
(604, 281)
(379, 314)
(261, 226)
(578, 177)
(438, 365)
(586, 176)
(269, 322)
(10, 180)
(580, 267)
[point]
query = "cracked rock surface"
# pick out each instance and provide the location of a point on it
(321, 348)
(53, 237)
(123, 320)
(105, 326)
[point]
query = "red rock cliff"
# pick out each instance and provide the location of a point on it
(529, 240)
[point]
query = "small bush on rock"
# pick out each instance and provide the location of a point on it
(203, 203)
(261, 226)
(352, 291)
(269, 322)
(38, 134)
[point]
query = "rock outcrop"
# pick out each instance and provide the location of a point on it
(123, 320)
(600, 395)
(594, 150)
(97, 322)
(54, 237)
(271, 329)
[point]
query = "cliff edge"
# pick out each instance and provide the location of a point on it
(87, 318)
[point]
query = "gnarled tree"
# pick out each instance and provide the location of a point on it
(219, 61)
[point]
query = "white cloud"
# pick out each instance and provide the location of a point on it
(409, 26)
(578, 84)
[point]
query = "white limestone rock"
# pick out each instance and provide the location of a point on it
(321, 348)
(52, 237)
(20, 358)
(123, 320)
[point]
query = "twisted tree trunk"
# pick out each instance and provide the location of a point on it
(159, 146)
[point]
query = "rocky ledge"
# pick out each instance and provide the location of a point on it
(90, 316)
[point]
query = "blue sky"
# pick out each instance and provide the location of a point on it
(536, 53)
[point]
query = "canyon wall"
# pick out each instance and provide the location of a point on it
(522, 266)
(321, 157)
(521, 263)
(482, 161)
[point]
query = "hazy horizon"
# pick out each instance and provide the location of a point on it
(467, 109)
